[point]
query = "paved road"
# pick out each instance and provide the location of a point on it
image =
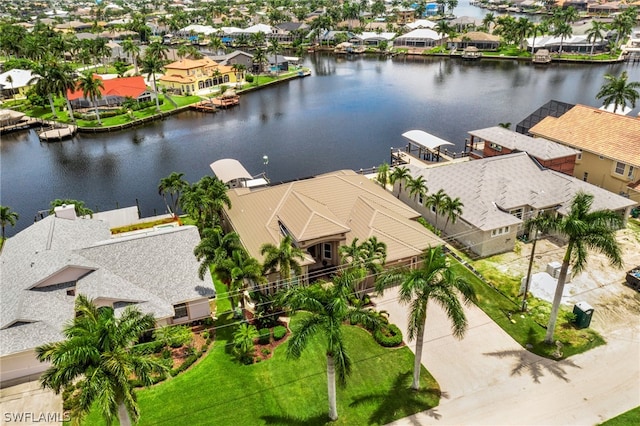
(488, 379)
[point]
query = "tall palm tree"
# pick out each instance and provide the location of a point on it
(157, 50)
(275, 49)
(594, 33)
(90, 86)
(562, 30)
(173, 185)
(61, 82)
(152, 65)
(214, 247)
(259, 59)
(284, 258)
(370, 255)
(452, 208)
(215, 198)
(382, 177)
(42, 83)
(96, 357)
(329, 309)
(433, 280)
(417, 187)
(238, 70)
(7, 217)
(619, 92)
(436, 201)
(524, 27)
(399, 174)
(130, 48)
(584, 229)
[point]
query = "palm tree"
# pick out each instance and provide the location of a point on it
(488, 19)
(417, 187)
(584, 229)
(61, 82)
(152, 65)
(284, 258)
(237, 270)
(370, 255)
(443, 28)
(259, 59)
(215, 198)
(79, 207)
(618, 92)
(562, 30)
(594, 33)
(452, 208)
(275, 49)
(90, 86)
(42, 83)
(382, 177)
(214, 247)
(7, 217)
(243, 342)
(433, 281)
(96, 357)
(216, 44)
(238, 70)
(174, 185)
(156, 50)
(399, 174)
(130, 48)
(329, 309)
(436, 200)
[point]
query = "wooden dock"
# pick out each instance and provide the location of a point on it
(58, 133)
(21, 125)
(226, 102)
(204, 106)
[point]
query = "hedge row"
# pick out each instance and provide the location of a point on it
(388, 336)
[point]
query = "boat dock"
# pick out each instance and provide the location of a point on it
(424, 150)
(57, 133)
(204, 106)
(226, 102)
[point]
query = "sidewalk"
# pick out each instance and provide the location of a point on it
(488, 379)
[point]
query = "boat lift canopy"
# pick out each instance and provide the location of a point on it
(425, 140)
(228, 170)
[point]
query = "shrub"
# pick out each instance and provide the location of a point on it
(279, 332)
(249, 78)
(265, 351)
(388, 336)
(205, 335)
(208, 322)
(264, 336)
(147, 348)
(174, 336)
(188, 361)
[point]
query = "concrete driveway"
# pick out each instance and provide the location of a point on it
(488, 379)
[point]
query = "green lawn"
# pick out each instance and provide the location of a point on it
(630, 418)
(527, 329)
(219, 390)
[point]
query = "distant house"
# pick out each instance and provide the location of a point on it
(497, 140)
(187, 76)
(609, 145)
(285, 32)
(574, 43)
(16, 83)
(47, 265)
(419, 38)
(235, 57)
(323, 213)
(114, 92)
(371, 38)
(477, 39)
(499, 193)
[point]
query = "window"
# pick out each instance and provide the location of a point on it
(630, 174)
(495, 146)
(500, 231)
(517, 213)
(579, 156)
(420, 200)
(433, 209)
(620, 168)
(326, 251)
(180, 310)
(585, 176)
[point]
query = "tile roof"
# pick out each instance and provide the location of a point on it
(326, 205)
(541, 148)
(156, 270)
(590, 129)
(491, 187)
(124, 87)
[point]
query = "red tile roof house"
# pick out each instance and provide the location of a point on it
(114, 93)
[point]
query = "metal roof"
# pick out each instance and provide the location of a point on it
(229, 169)
(425, 139)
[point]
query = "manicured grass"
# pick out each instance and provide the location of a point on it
(220, 391)
(528, 329)
(630, 418)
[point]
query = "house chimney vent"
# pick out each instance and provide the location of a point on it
(66, 211)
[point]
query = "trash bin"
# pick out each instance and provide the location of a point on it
(583, 312)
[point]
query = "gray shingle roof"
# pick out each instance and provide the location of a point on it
(490, 187)
(156, 270)
(540, 148)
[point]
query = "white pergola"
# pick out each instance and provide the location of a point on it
(426, 142)
(230, 170)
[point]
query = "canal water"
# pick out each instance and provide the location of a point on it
(346, 115)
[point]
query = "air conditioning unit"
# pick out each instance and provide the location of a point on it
(553, 269)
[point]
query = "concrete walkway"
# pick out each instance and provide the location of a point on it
(488, 379)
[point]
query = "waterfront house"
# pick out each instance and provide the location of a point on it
(477, 39)
(16, 83)
(45, 266)
(114, 92)
(371, 38)
(235, 57)
(499, 193)
(609, 145)
(285, 32)
(419, 38)
(497, 140)
(188, 76)
(323, 213)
